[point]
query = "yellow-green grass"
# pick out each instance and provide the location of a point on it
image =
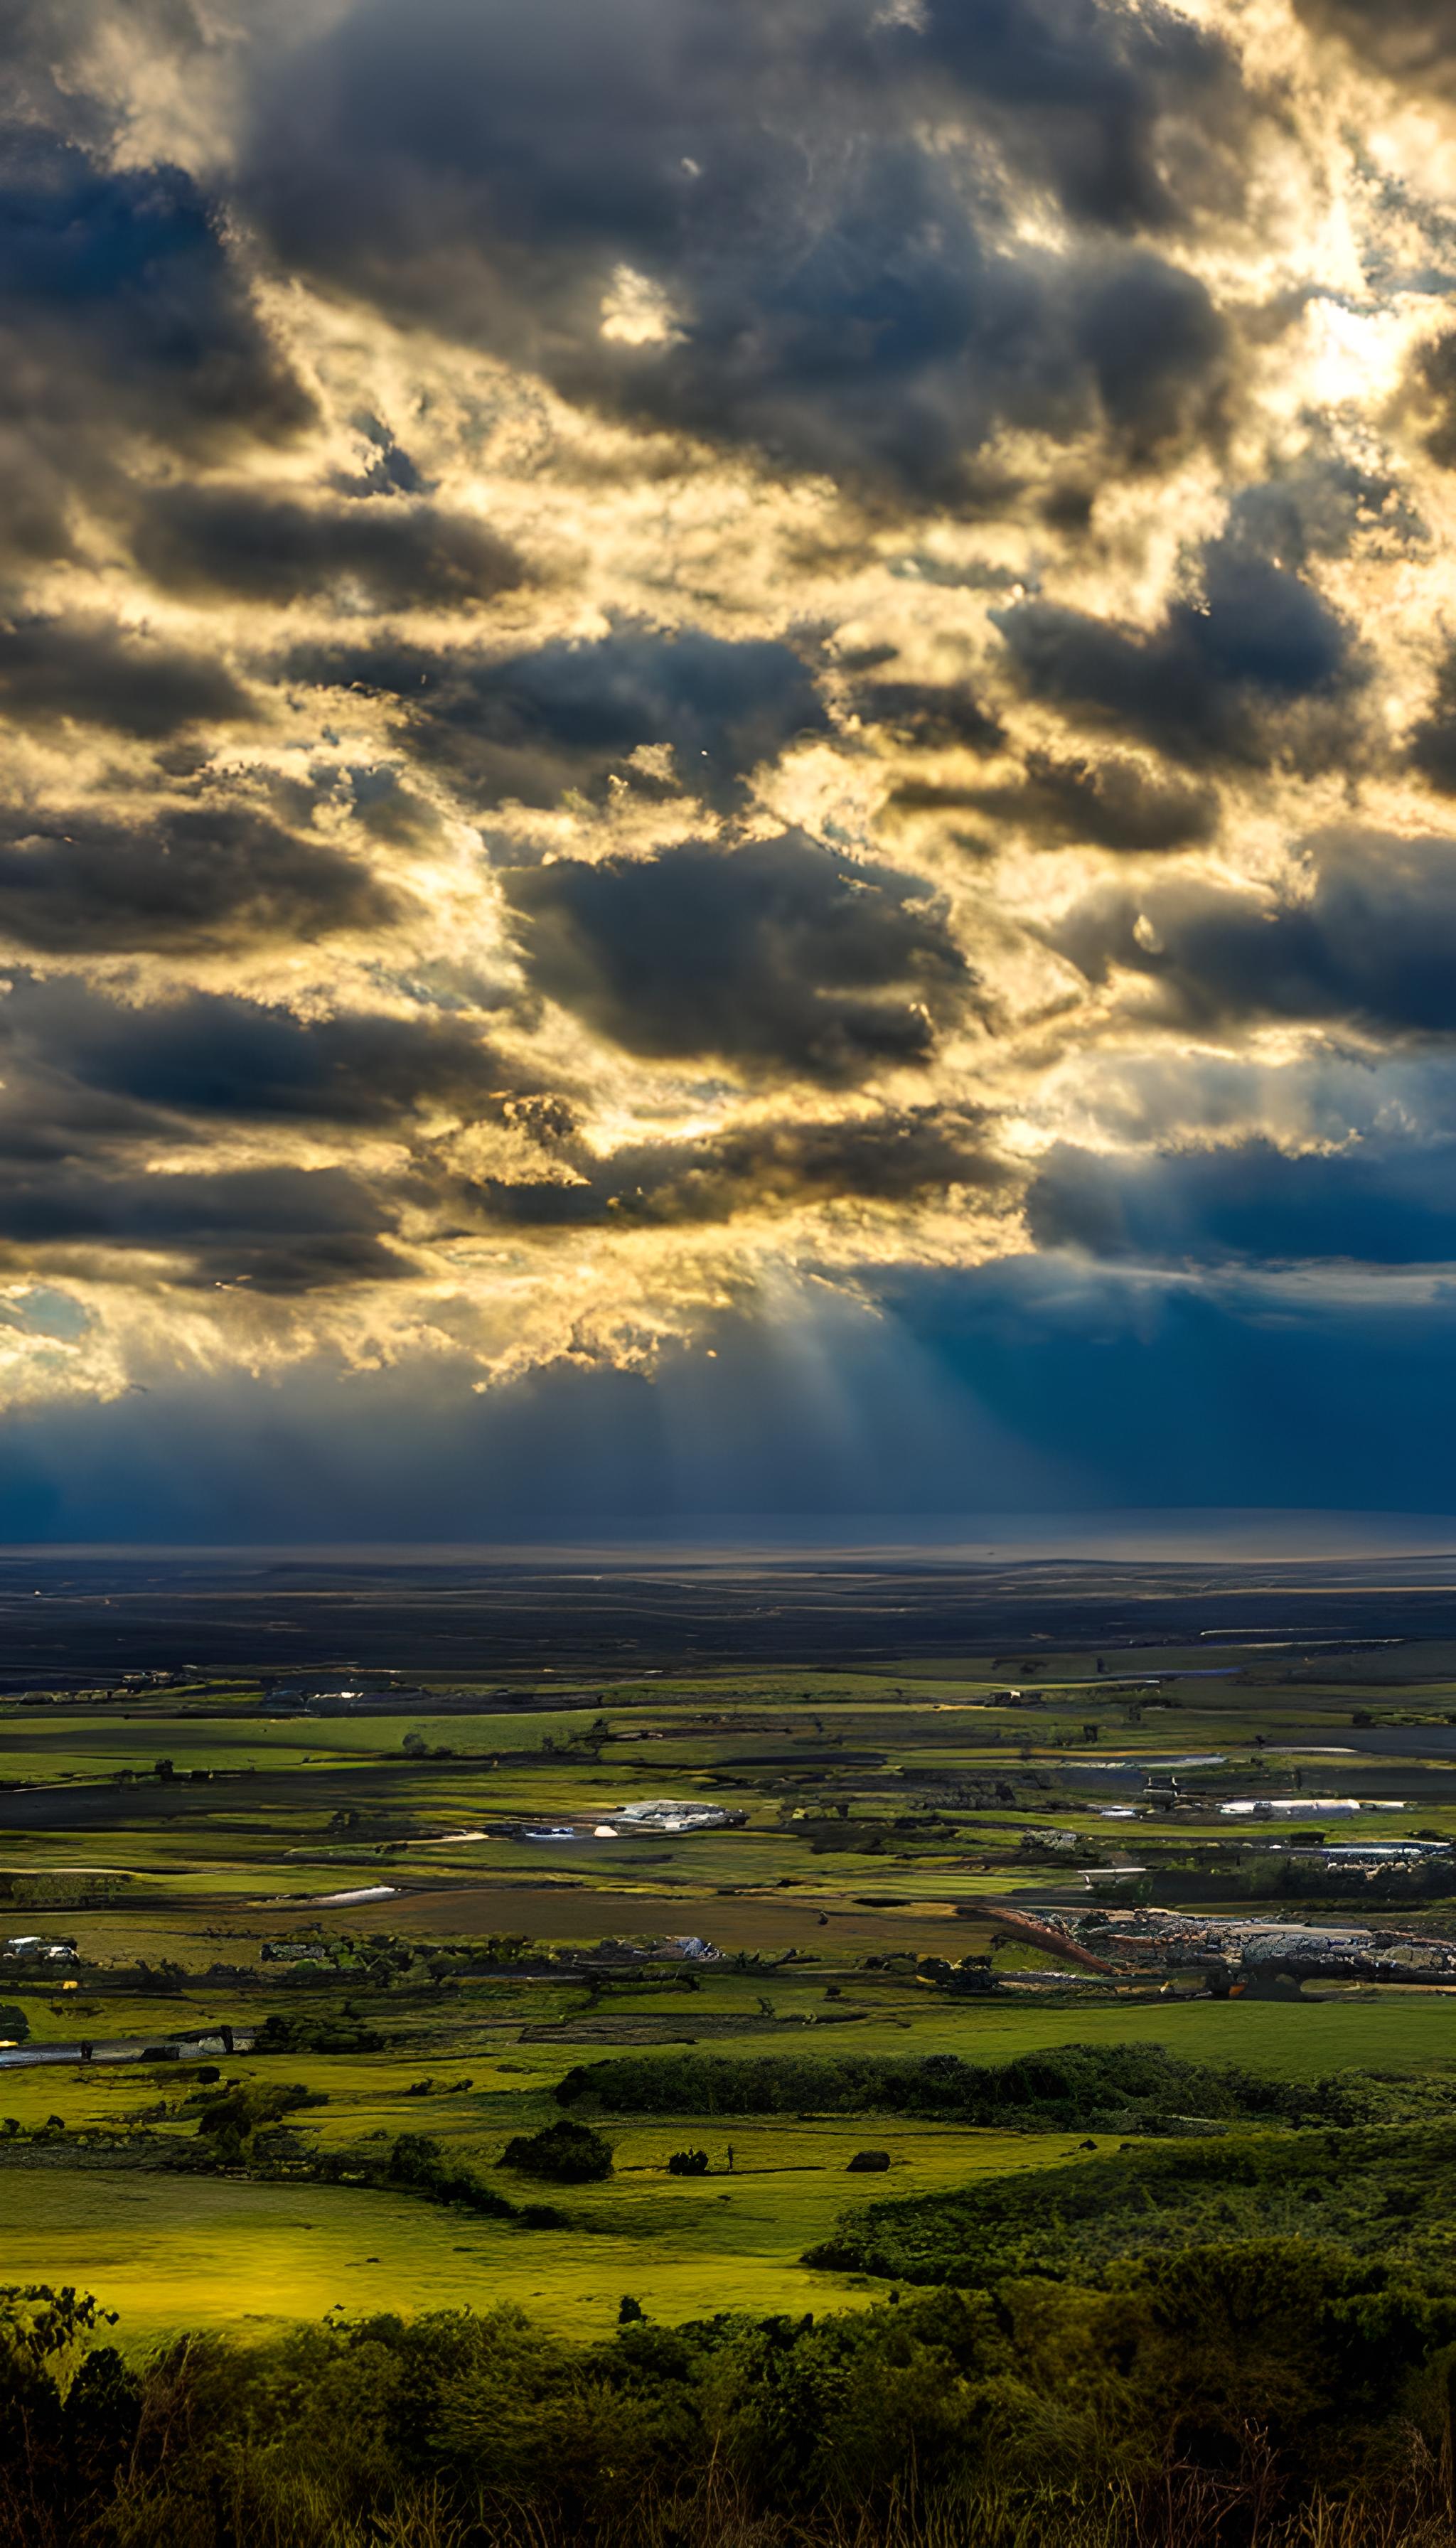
(169, 2251)
(1392, 2028)
(153, 2016)
(75, 1742)
(1384, 2030)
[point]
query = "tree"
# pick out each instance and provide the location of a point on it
(230, 2118)
(564, 2153)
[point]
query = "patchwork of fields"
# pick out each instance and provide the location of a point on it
(342, 1872)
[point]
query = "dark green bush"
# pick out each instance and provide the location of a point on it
(1379, 2194)
(564, 2154)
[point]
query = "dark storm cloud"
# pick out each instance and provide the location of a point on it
(89, 1090)
(278, 1230)
(188, 878)
(773, 955)
(58, 671)
(928, 715)
(1114, 804)
(1428, 397)
(1086, 96)
(275, 549)
(894, 348)
(1319, 505)
(1433, 742)
(1365, 931)
(48, 1117)
(1204, 685)
(92, 1089)
(117, 284)
(530, 726)
(388, 810)
(218, 1056)
(895, 1158)
(126, 322)
(1250, 1203)
(840, 300)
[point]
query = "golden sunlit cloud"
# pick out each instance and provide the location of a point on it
(663, 654)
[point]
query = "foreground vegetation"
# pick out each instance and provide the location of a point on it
(1231, 2393)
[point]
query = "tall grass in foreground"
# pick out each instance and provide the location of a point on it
(261, 2504)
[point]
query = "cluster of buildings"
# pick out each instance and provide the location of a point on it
(1164, 1793)
(650, 1951)
(1225, 1946)
(38, 1951)
(652, 1814)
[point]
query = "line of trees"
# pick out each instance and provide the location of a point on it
(1127, 2087)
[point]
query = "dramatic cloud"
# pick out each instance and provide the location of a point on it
(118, 284)
(243, 1060)
(772, 955)
(126, 328)
(280, 1230)
(276, 548)
(800, 221)
(1364, 932)
(662, 659)
(51, 672)
(1208, 681)
(1251, 1204)
(188, 876)
(1113, 805)
(888, 1159)
(530, 726)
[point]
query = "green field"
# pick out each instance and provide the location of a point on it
(168, 2251)
(188, 1843)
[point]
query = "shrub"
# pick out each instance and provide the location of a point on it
(869, 2162)
(564, 2154)
(418, 2163)
(346, 2033)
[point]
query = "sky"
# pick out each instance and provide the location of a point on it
(729, 762)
